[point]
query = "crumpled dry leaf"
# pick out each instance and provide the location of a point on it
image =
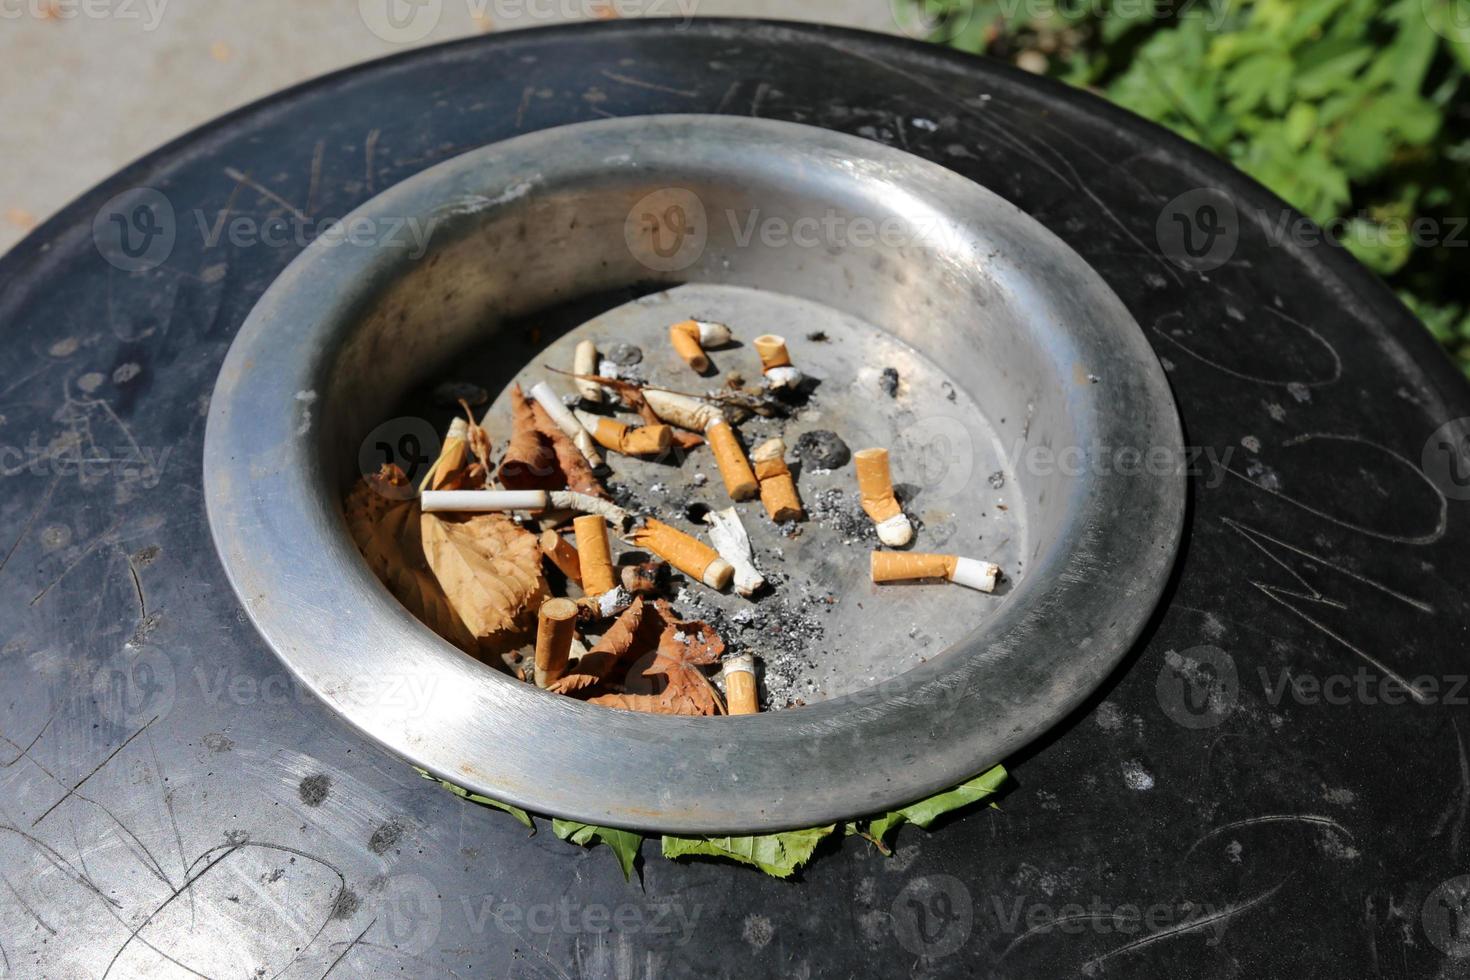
(635, 631)
(683, 647)
(490, 569)
(386, 533)
(540, 456)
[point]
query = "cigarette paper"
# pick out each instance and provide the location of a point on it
(594, 553)
(644, 440)
(776, 361)
(566, 421)
(556, 624)
(689, 555)
(733, 544)
(739, 479)
(778, 489)
(584, 362)
(452, 456)
(475, 501)
(875, 484)
(694, 414)
(740, 692)
(609, 605)
(893, 566)
(559, 551)
(539, 501)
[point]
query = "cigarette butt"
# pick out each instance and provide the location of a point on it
(595, 556)
(739, 479)
(556, 624)
(567, 422)
(730, 539)
(452, 456)
(643, 440)
(584, 362)
(894, 566)
(686, 412)
(778, 489)
(559, 551)
(875, 484)
(689, 555)
(685, 338)
(479, 501)
(772, 351)
(740, 691)
(645, 578)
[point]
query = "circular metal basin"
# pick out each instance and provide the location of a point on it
(1072, 398)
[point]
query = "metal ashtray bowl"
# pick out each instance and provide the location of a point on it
(1071, 456)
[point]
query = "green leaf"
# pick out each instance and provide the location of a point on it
(463, 793)
(777, 855)
(925, 812)
(623, 843)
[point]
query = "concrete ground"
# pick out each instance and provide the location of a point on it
(88, 85)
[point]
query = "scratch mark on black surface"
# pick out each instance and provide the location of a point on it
(316, 175)
(35, 513)
(104, 538)
(525, 104)
(27, 906)
(1228, 912)
(350, 947)
(138, 587)
(54, 858)
(1459, 805)
(1306, 818)
(265, 192)
(168, 803)
(758, 99)
(78, 784)
(369, 150)
(24, 753)
(651, 86)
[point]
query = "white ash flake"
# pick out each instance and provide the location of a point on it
(1136, 777)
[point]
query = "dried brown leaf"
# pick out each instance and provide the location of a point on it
(490, 570)
(683, 647)
(575, 469)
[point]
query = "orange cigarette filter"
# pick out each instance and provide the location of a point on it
(689, 555)
(740, 691)
(740, 481)
(556, 626)
(875, 483)
(595, 554)
(685, 338)
(559, 551)
(777, 488)
(900, 566)
(772, 351)
(643, 440)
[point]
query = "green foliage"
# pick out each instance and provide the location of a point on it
(623, 843)
(1354, 111)
(925, 812)
(465, 794)
(777, 855)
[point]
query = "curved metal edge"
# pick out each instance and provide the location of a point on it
(886, 729)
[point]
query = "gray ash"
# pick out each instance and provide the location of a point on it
(822, 449)
(818, 337)
(623, 355)
(841, 511)
(889, 382)
(997, 480)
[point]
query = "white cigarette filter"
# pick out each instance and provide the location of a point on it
(875, 484)
(694, 414)
(897, 566)
(567, 422)
(691, 337)
(584, 362)
(727, 534)
(776, 361)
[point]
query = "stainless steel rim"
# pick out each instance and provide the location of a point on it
(1082, 603)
